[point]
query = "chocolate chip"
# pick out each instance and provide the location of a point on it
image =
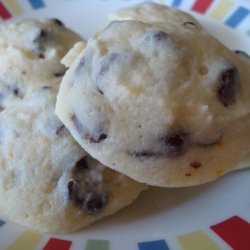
(80, 66)
(57, 21)
(190, 25)
(95, 202)
(96, 137)
(74, 194)
(87, 196)
(60, 129)
(17, 92)
(157, 35)
(43, 34)
(70, 186)
(2, 108)
(106, 62)
(174, 144)
(41, 56)
(90, 202)
(242, 54)
(228, 85)
(144, 154)
(59, 74)
(100, 91)
(42, 37)
(195, 164)
(45, 88)
(188, 174)
(80, 165)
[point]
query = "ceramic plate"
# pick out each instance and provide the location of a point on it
(207, 217)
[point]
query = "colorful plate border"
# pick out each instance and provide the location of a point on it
(232, 13)
(234, 231)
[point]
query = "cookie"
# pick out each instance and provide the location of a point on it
(30, 54)
(47, 181)
(148, 12)
(164, 103)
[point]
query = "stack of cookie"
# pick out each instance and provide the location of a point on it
(47, 181)
(152, 96)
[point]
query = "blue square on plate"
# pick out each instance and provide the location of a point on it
(37, 4)
(153, 245)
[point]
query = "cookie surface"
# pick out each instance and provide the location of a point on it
(164, 103)
(47, 181)
(30, 53)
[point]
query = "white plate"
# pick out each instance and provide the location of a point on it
(161, 219)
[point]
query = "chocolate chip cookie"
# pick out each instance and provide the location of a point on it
(162, 102)
(47, 181)
(30, 54)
